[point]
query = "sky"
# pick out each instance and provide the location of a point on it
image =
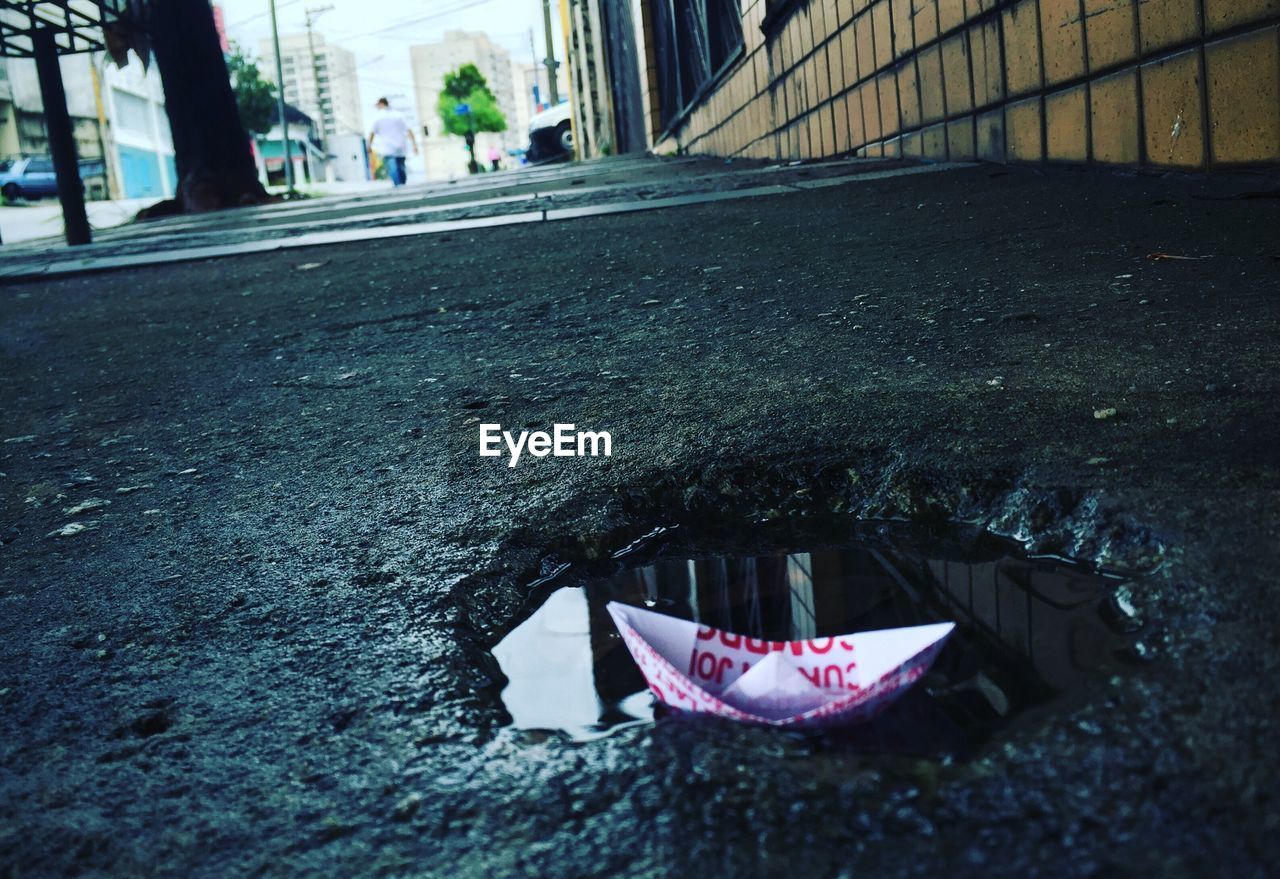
(380, 32)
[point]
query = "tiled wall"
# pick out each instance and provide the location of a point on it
(1163, 83)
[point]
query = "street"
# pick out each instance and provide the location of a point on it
(262, 643)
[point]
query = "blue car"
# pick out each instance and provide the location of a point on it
(33, 177)
(27, 178)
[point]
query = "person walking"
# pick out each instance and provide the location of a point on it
(495, 158)
(389, 139)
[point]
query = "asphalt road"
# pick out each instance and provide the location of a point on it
(268, 653)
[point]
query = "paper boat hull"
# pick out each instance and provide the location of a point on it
(816, 683)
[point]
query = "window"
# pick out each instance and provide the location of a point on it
(694, 40)
(132, 114)
(40, 166)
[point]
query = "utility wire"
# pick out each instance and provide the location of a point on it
(456, 7)
(263, 14)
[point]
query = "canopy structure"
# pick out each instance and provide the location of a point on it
(46, 29)
(76, 25)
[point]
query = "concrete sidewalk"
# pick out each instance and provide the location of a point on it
(539, 194)
(41, 221)
(269, 652)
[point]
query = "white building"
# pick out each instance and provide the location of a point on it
(325, 87)
(141, 143)
(117, 113)
(446, 156)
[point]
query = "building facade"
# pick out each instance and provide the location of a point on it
(1184, 84)
(309, 162)
(9, 144)
(139, 131)
(323, 85)
(446, 156)
(117, 115)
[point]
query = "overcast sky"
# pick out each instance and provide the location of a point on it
(380, 32)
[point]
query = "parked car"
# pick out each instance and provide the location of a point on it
(550, 134)
(33, 177)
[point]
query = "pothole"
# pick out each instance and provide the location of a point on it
(1029, 632)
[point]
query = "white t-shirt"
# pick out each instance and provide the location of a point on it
(390, 133)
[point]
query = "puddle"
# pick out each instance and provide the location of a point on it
(1029, 631)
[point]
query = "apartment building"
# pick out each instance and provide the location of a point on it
(319, 79)
(447, 156)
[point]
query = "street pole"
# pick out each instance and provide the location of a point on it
(62, 141)
(550, 61)
(284, 123)
(312, 14)
(109, 169)
(537, 92)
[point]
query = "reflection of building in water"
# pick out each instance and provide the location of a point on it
(1026, 630)
(1043, 613)
(1036, 622)
(802, 595)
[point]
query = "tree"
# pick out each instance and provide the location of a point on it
(211, 147)
(255, 97)
(466, 88)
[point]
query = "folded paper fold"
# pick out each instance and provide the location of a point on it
(814, 682)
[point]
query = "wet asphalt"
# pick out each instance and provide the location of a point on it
(266, 652)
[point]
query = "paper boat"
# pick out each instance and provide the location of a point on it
(818, 682)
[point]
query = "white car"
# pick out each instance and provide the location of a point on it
(551, 134)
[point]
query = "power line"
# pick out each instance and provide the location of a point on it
(262, 14)
(458, 6)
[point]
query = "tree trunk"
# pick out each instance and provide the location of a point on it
(211, 147)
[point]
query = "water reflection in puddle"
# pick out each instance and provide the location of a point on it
(1027, 630)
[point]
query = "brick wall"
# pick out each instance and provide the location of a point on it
(1162, 83)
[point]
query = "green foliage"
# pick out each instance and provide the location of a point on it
(467, 85)
(255, 97)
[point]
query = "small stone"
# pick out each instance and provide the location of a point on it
(130, 489)
(406, 808)
(1102, 414)
(71, 529)
(86, 506)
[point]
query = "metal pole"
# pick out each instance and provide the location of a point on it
(62, 141)
(537, 91)
(109, 170)
(312, 15)
(550, 61)
(284, 124)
